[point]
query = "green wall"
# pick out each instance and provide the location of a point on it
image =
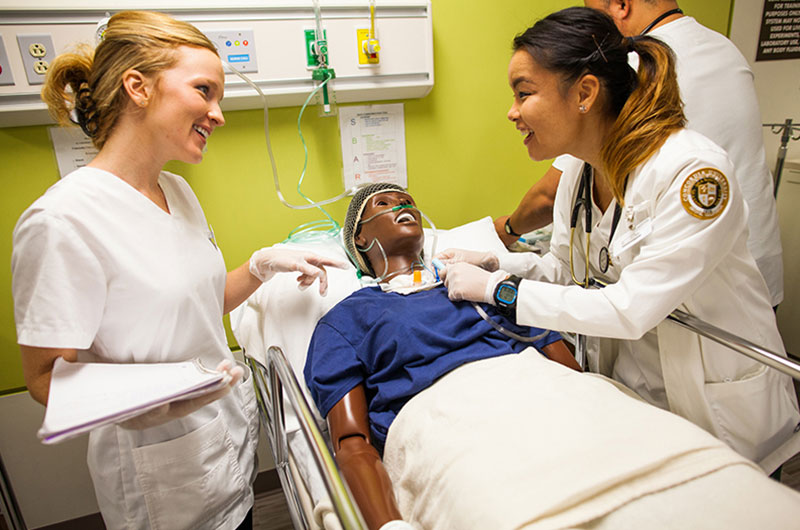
(465, 160)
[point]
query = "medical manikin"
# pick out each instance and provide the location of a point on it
(384, 237)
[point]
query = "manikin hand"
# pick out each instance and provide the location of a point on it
(468, 282)
(484, 260)
(178, 409)
(266, 262)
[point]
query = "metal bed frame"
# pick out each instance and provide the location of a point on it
(277, 379)
(270, 399)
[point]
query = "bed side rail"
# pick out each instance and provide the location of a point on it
(282, 381)
(736, 343)
(726, 338)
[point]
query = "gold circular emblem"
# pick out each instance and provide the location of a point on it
(704, 193)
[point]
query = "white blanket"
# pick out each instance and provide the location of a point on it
(520, 441)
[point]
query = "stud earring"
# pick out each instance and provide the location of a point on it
(582, 108)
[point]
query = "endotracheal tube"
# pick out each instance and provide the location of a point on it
(424, 261)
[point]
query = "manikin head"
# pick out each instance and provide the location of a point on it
(383, 230)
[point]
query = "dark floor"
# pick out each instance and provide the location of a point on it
(271, 512)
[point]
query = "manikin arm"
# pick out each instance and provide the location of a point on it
(359, 460)
(535, 210)
(557, 351)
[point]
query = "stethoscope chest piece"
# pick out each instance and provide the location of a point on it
(604, 261)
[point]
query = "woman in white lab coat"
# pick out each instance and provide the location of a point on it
(668, 231)
(116, 263)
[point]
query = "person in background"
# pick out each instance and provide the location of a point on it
(716, 86)
(646, 221)
(116, 263)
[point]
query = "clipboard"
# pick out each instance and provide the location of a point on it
(84, 396)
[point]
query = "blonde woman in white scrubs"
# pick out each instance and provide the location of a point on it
(116, 263)
(668, 232)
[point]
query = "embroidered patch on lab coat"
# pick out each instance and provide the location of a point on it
(704, 193)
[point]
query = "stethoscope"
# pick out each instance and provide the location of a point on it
(583, 199)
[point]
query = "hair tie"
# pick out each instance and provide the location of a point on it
(630, 43)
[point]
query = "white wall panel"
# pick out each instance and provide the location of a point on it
(403, 27)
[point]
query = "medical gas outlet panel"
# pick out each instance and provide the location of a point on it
(375, 50)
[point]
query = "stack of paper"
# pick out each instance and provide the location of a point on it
(84, 396)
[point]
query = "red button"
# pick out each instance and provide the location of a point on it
(245, 43)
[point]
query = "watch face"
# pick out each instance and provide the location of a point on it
(507, 228)
(507, 294)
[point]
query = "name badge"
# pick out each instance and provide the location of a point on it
(625, 242)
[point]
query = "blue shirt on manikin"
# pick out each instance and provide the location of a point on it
(398, 345)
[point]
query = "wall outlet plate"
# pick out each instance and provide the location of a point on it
(311, 46)
(6, 77)
(237, 47)
(37, 51)
(364, 58)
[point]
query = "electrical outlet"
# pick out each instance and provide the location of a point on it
(37, 51)
(6, 77)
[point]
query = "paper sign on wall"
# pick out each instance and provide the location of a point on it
(373, 144)
(73, 148)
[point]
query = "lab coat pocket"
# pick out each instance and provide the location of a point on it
(187, 480)
(751, 413)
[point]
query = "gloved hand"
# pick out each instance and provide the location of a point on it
(266, 262)
(469, 282)
(178, 409)
(484, 260)
(397, 524)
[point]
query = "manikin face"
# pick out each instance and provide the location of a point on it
(399, 232)
(185, 105)
(546, 116)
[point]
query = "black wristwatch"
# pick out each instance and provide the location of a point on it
(508, 229)
(505, 297)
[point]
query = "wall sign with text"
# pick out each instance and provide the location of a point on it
(780, 31)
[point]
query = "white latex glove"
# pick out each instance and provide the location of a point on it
(469, 282)
(397, 524)
(484, 260)
(178, 409)
(266, 262)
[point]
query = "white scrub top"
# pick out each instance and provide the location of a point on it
(99, 267)
(699, 265)
(720, 102)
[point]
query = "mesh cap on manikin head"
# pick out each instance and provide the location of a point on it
(353, 217)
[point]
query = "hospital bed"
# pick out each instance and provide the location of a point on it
(274, 327)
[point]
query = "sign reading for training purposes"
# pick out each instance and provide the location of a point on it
(780, 31)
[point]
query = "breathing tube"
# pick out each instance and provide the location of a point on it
(302, 232)
(424, 263)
